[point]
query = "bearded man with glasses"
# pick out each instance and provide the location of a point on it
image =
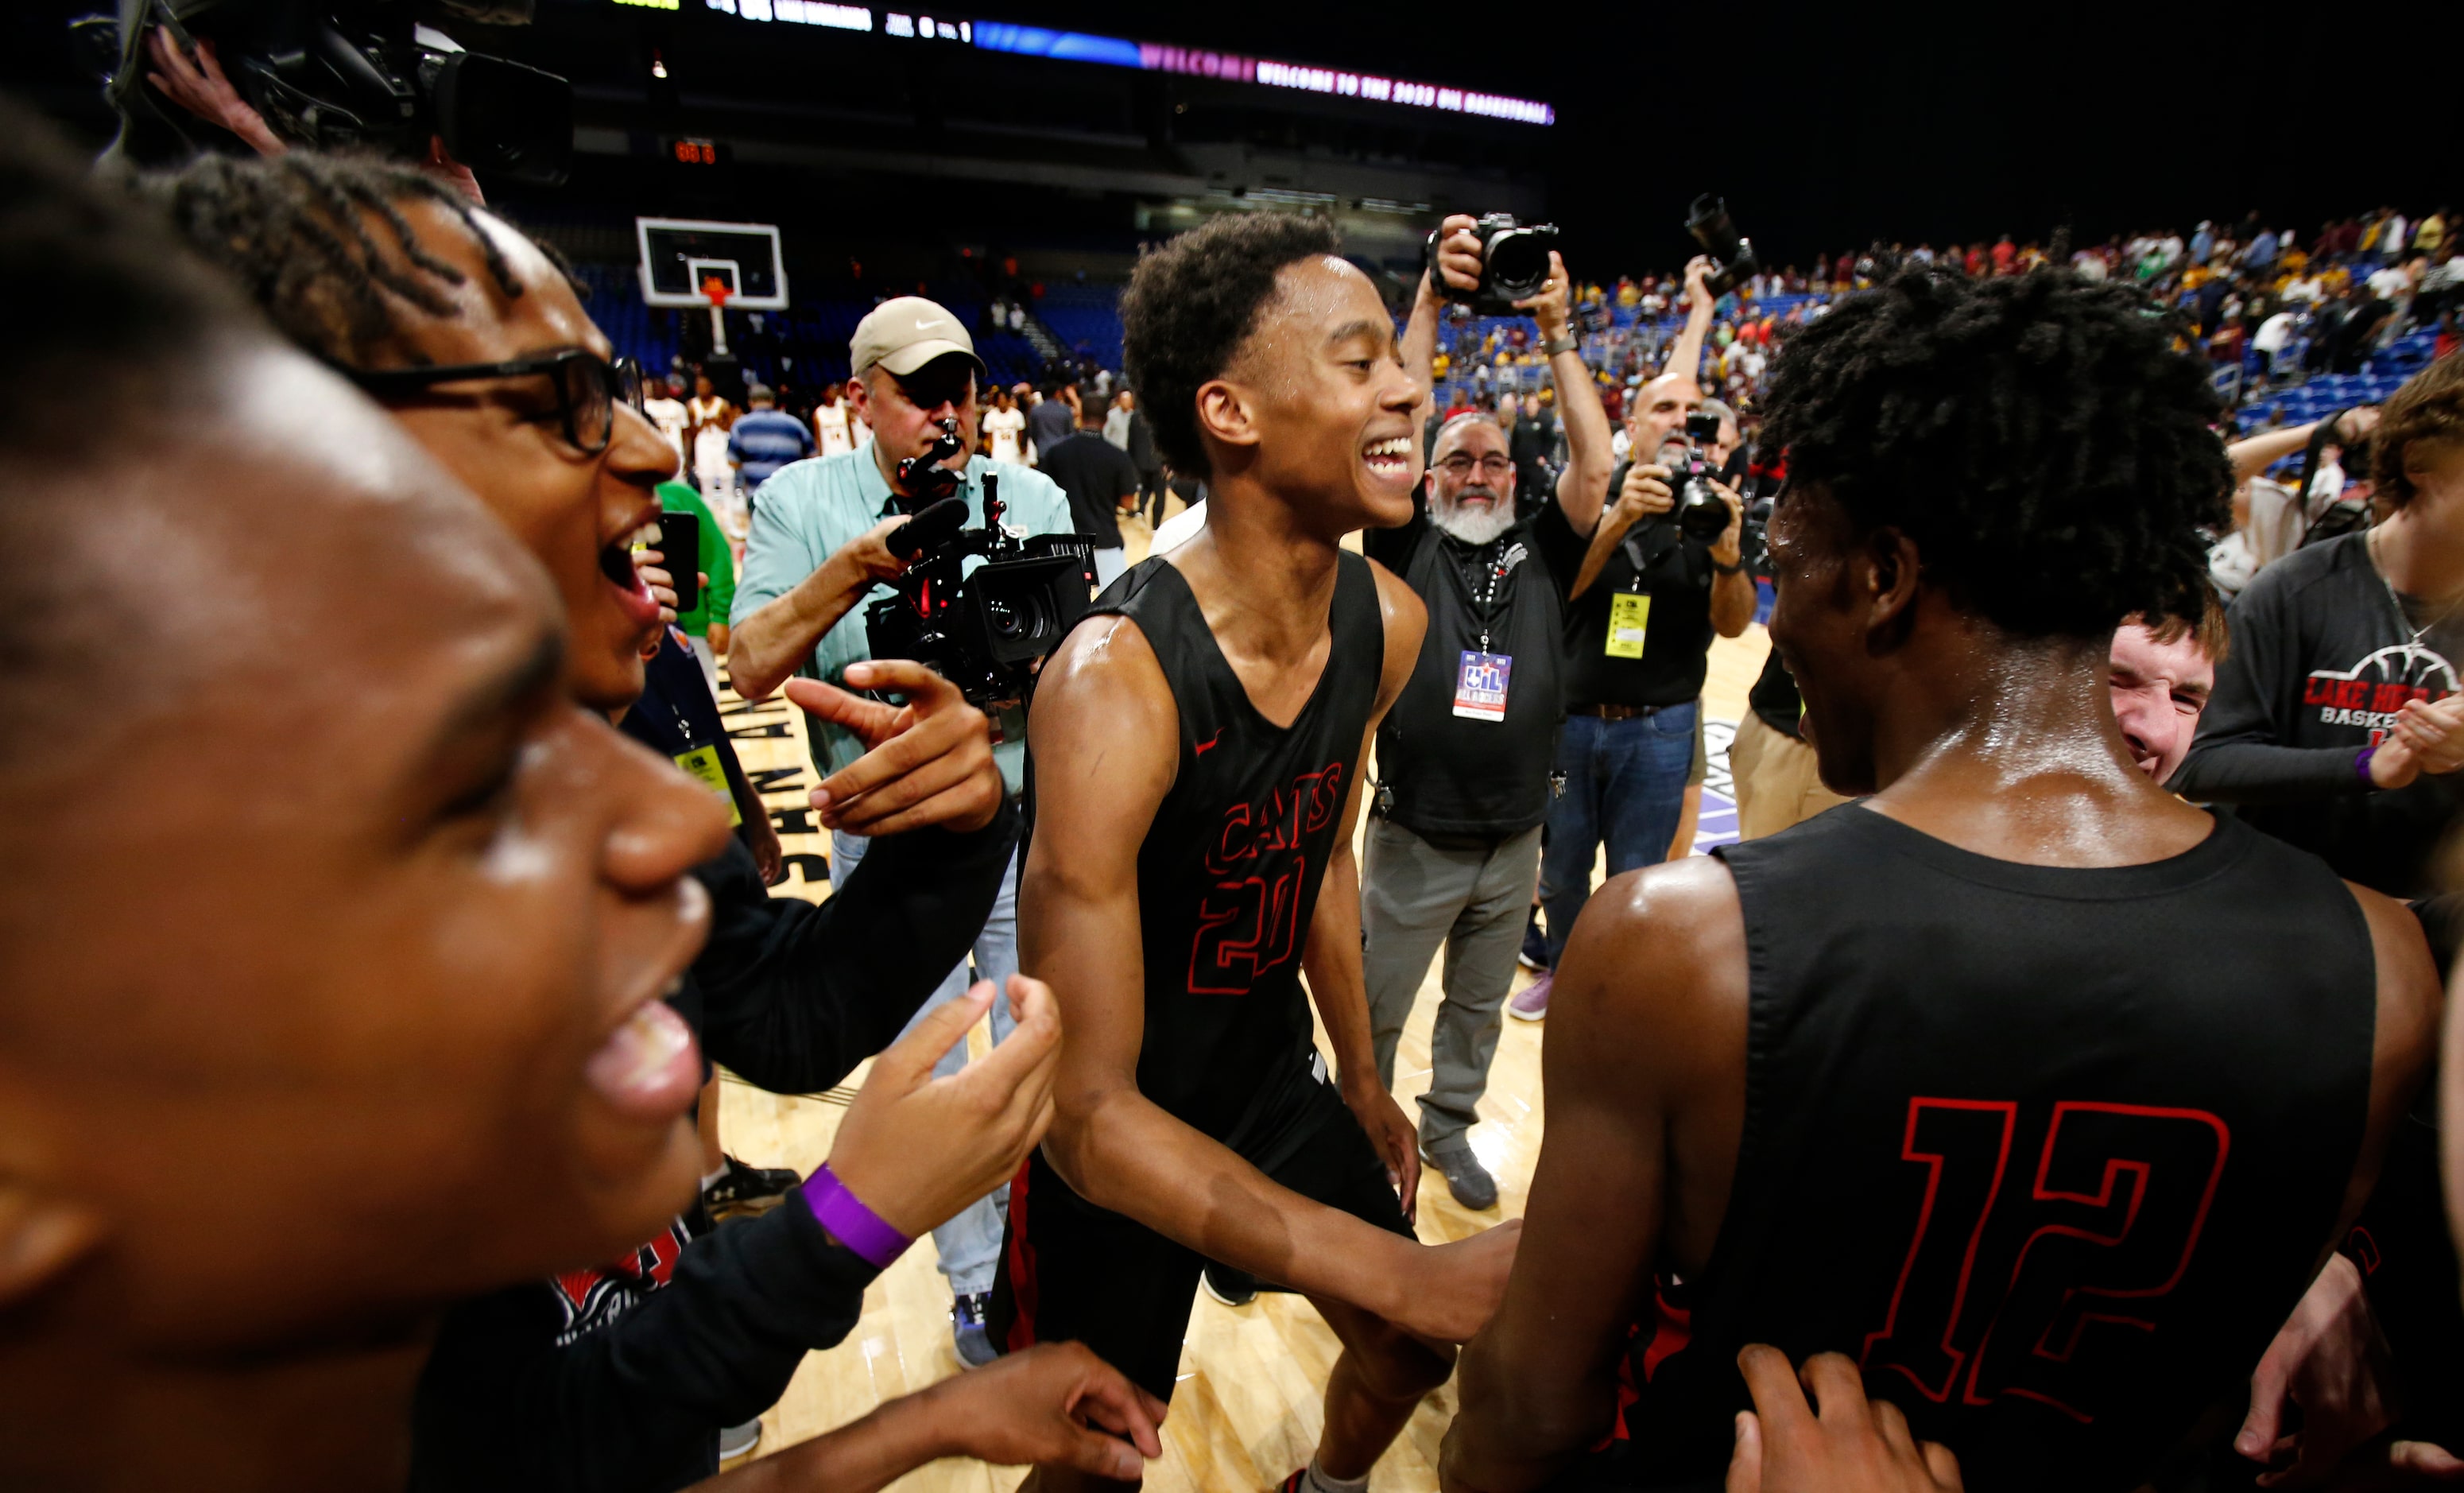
(1463, 757)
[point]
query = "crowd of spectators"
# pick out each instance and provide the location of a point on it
(2269, 306)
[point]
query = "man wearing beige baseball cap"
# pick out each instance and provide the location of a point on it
(814, 560)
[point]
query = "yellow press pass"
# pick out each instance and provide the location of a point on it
(701, 763)
(1628, 616)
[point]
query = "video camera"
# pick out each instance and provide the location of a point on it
(1513, 263)
(342, 74)
(1729, 250)
(981, 629)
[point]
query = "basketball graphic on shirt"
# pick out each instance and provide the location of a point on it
(2371, 692)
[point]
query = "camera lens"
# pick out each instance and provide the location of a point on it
(1518, 263)
(1011, 619)
(1701, 515)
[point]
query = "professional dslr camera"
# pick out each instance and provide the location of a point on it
(1731, 254)
(1702, 515)
(347, 75)
(981, 629)
(1513, 263)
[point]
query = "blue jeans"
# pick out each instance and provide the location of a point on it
(1625, 783)
(969, 1245)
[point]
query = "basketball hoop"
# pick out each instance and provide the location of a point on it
(716, 288)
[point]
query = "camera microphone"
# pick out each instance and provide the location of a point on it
(934, 523)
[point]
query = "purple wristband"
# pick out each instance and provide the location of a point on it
(2361, 765)
(850, 1221)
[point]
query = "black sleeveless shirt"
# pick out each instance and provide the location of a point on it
(1229, 872)
(2050, 1151)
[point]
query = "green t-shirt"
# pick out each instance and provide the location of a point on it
(716, 561)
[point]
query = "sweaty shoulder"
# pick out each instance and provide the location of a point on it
(1405, 618)
(1660, 951)
(2408, 993)
(1103, 710)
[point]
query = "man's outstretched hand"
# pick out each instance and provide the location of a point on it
(1457, 1286)
(199, 85)
(2331, 1368)
(916, 1148)
(931, 760)
(1055, 1404)
(1393, 1136)
(1852, 1445)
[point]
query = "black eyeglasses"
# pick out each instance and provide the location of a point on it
(588, 388)
(1461, 462)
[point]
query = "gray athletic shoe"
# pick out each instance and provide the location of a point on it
(736, 1441)
(1465, 1178)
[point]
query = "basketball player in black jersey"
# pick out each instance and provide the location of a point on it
(1198, 745)
(2034, 1090)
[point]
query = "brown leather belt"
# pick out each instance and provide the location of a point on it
(1617, 712)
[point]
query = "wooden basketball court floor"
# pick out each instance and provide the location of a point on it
(1248, 1408)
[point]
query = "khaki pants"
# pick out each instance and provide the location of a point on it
(1776, 785)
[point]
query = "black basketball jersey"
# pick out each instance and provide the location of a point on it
(2050, 1151)
(1229, 872)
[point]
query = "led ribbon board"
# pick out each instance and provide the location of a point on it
(1067, 46)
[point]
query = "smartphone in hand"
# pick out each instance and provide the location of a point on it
(680, 541)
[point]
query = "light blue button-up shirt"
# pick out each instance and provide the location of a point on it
(805, 512)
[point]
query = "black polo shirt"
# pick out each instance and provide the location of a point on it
(1455, 773)
(1653, 562)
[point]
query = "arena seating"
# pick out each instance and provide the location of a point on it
(1087, 318)
(2381, 377)
(813, 333)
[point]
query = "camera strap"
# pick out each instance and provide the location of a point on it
(1663, 539)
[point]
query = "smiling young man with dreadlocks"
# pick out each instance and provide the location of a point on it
(618, 1377)
(2034, 1090)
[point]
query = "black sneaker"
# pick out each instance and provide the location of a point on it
(1232, 1287)
(1465, 1178)
(1534, 954)
(967, 1331)
(745, 1189)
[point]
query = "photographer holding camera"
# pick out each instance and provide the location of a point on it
(916, 369)
(1662, 404)
(1463, 755)
(1654, 578)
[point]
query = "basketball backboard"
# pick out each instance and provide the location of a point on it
(679, 256)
